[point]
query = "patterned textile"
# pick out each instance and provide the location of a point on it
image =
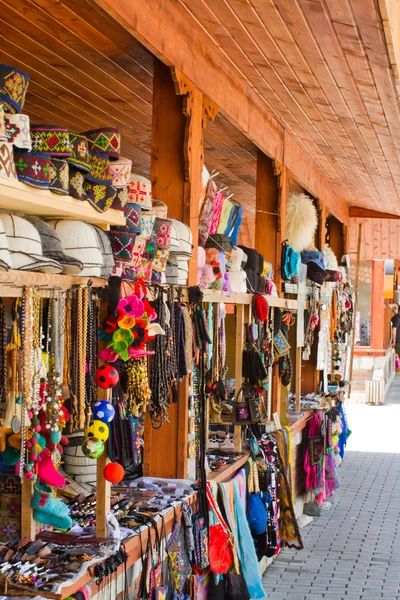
(218, 203)
(10, 507)
(150, 248)
(121, 198)
(7, 166)
(178, 558)
(18, 130)
(156, 276)
(140, 191)
(160, 260)
(76, 181)
(234, 223)
(80, 151)
(146, 225)
(13, 87)
(106, 140)
(145, 269)
(59, 177)
(188, 339)
(3, 133)
(99, 195)
(207, 211)
(225, 214)
(51, 139)
(33, 168)
(122, 245)
(121, 172)
(138, 250)
(99, 168)
(132, 213)
(162, 228)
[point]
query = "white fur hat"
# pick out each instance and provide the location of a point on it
(26, 247)
(80, 240)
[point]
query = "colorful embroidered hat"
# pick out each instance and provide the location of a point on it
(160, 209)
(76, 181)
(13, 86)
(7, 165)
(33, 168)
(18, 130)
(99, 195)
(3, 132)
(80, 241)
(26, 247)
(99, 168)
(52, 248)
(140, 191)
(146, 224)
(150, 247)
(122, 198)
(139, 246)
(79, 146)
(122, 244)
(160, 260)
(162, 228)
(51, 139)
(5, 256)
(132, 213)
(121, 172)
(106, 249)
(59, 177)
(106, 140)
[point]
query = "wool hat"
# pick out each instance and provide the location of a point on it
(76, 183)
(315, 272)
(7, 165)
(5, 256)
(106, 140)
(80, 157)
(59, 177)
(18, 130)
(160, 209)
(140, 191)
(80, 241)
(3, 131)
(99, 168)
(100, 196)
(106, 248)
(33, 168)
(185, 238)
(26, 247)
(52, 248)
(51, 139)
(13, 87)
(121, 172)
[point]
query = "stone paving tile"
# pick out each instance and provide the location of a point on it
(352, 552)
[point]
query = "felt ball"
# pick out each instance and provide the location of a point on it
(33, 457)
(55, 436)
(97, 429)
(28, 468)
(92, 447)
(114, 472)
(29, 474)
(35, 422)
(107, 376)
(104, 411)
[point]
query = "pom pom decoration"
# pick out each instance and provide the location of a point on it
(107, 377)
(103, 411)
(113, 472)
(301, 221)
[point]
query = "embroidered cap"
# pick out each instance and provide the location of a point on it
(33, 168)
(132, 213)
(3, 132)
(18, 130)
(80, 241)
(59, 177)
(121, 172)
(122, 198)
(26, 247)
(76, 181)
(99, 195)
(51, 139)
(160, 209)
(140, 191)
(7, 165)
(13, 86)
(106, 140)
(52, 248)
(99, 168)
(79, 146)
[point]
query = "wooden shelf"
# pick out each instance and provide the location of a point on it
(236, 298)
(13, 282)
(228, 471)
(18, 197)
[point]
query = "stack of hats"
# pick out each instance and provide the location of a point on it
(315, 262)
(162, 231)
(180, 253)
(14, 127)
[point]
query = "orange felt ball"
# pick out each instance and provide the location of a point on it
(114, 472)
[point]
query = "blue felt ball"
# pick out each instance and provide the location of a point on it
(103, 411)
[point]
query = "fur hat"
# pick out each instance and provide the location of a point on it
(301, 221)
(80, 241)
(26, 246)
(52, 248)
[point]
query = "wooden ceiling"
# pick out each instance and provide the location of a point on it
(322, 68)
(87, 71)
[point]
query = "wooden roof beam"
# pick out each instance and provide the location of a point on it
(365, 213)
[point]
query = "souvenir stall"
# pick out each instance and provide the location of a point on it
(138, 324)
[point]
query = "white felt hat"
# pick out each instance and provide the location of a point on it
(106, 248)
(80, 240)
(26, 247)
(185, 238)
(5, 256)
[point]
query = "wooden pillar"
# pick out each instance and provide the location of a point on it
(298, 378)
(337, 237)
(239, 337)
(378, 325)
(267, 211)
(322, 227)
(177, 159)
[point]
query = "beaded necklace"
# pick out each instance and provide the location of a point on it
(3, 361)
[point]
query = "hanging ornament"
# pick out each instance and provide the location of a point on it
(103, 411)
(92, 447)
(107, 377)
(97, 429)
(113, 472)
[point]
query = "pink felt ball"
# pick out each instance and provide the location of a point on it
(33, 457)
(29, 474)
(28, 444)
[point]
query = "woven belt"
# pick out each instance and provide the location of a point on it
(59, 177)
(76, 181)
(99, 168)
(13, 86)
(121, 172)
(18, 131)
(106, 140)
(52, 140)
(33, 168)
(7, 166)
(80, 151)
(100, 196)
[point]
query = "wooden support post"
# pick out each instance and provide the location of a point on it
(179, 114)
(299, 351)
(239, 338)
(322, 228)
(356, 285)
(267, 211)
(378, 305)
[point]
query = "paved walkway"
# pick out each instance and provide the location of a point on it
(352, 552)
